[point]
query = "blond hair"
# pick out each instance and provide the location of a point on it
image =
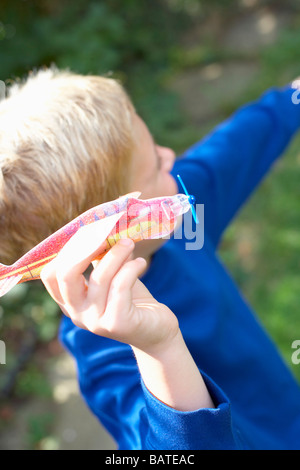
(65, 145)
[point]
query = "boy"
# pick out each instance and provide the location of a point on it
(245, 397)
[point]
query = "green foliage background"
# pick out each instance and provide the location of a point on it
(144, 44)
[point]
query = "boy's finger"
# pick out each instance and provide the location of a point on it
(105, 270)
(119, 301)
(124, 281)
(77, 255)
(48, 277)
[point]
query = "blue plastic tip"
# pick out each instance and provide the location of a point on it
(192, 199)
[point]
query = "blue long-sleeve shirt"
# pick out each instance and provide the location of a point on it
(257, 398)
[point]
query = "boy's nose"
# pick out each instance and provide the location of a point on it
(168, 156)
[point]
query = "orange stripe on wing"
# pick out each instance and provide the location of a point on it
(24, 269)
(42, 261)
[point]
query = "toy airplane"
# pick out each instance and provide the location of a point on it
(141, 220)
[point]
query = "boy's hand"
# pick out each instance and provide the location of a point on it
(113, 302)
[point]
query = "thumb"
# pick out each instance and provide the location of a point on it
(140, 292)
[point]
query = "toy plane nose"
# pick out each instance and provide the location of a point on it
(178, 205)
(192, 199)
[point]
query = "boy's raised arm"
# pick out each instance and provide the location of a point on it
(223, 169)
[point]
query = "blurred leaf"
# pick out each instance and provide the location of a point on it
(38, 428)
(31, 382)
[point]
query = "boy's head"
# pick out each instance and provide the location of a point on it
(66, 142)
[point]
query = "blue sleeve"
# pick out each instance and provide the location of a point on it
(111, 385)
(203, 429)
(222, 170)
